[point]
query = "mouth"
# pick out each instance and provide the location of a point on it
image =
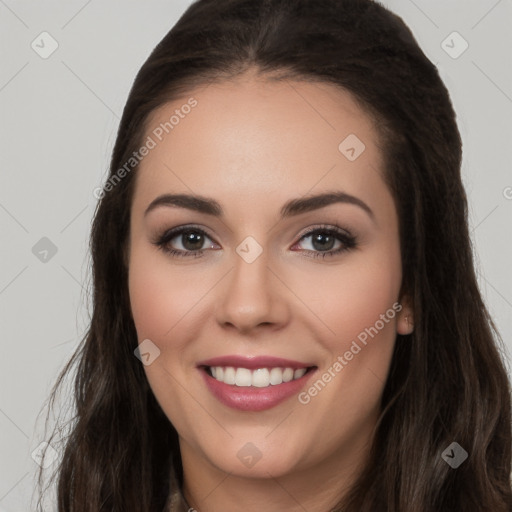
(254, 383)
(257, 378)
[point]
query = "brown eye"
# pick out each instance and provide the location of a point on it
(323, 241)
(192, 240)
(189, 241)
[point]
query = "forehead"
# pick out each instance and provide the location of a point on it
(252, 137)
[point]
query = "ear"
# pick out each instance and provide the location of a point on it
(405, 318)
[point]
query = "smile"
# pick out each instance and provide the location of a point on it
(254, 383)
(259, 378)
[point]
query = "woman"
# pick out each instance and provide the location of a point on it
(286, 314)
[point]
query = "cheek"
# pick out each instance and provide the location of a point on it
(153, 303)
(359, 304)
(355, 296)
(160, 295)
(364, 320)
(160, 298)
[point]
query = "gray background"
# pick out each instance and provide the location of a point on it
(59, 118)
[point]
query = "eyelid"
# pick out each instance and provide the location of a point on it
(308, 231)
(175, 231)
(348, 240)
(327, 227)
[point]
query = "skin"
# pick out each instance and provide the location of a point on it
(253, 145)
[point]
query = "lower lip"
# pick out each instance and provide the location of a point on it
(250, 398)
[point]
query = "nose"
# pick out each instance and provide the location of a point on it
(253, 296)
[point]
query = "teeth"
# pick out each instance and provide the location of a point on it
(287, 375)
(229, 375)
(299, 373)
(276, 376)
(259, 378)
(243, 377)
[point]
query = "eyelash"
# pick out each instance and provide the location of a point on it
(349, 241)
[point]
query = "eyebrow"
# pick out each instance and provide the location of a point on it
(291, 208)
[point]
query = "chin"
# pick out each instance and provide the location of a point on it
(246, 460)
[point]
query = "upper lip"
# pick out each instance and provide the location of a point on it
(254, 362)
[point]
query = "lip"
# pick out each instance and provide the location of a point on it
(252, 363)
(248, 398)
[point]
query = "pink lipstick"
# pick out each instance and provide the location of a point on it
(254, 383)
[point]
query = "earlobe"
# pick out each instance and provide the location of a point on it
(405, 319)
(408, 325)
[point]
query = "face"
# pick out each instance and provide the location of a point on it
(240, 294)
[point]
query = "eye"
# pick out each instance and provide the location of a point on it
(190, 238)
(324, 237)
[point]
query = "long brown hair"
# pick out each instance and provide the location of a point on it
(447, 382)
